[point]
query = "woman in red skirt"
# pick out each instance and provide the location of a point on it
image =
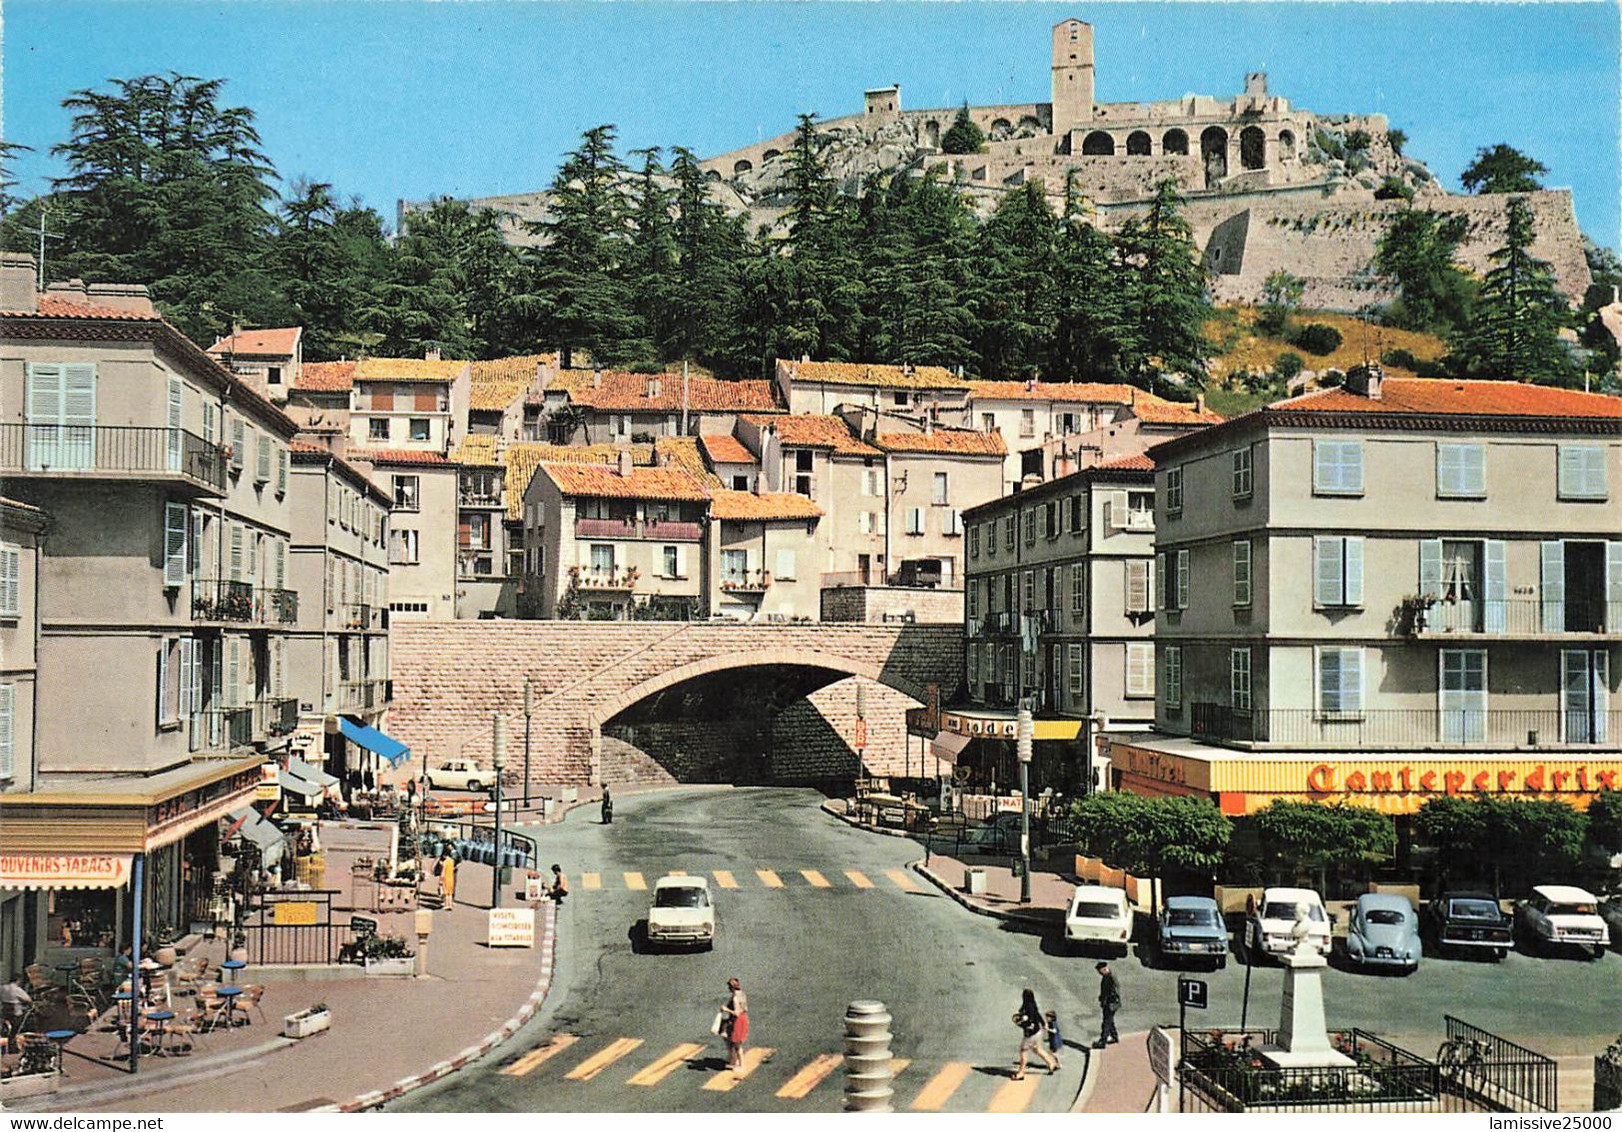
(735, 1024)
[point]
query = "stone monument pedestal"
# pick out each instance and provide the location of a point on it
(1303, 1035)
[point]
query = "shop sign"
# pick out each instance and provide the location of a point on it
(295, 913)
(270, 784)
(192, 800)
(64, 870)
(860, 740)
(1525, 778)
(512, 927)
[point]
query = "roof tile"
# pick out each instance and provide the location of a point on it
(944, 442)
(813, 430)
(883, 376)
(398, 456)
(1157, 410)
(326, 377)
(1080, 392)
(50, 306)
(745, 506)
(726, 450)
(1463, 398)
(408, 369)
(662, 393)
(599, 481)
(521, 460)
(277, 342)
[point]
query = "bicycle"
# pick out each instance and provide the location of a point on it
(1459, 1059)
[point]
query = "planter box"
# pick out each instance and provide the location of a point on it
(392, 968)
(305, 1023)
(29, 1085)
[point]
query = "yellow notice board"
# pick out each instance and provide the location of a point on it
(295, 912)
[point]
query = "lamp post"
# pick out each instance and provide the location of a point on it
(529, 710)
(1026, 733)
(498, 759)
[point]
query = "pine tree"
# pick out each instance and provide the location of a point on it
(1514, 333)
(821, 310)
(424, 300)
(1016, 286)
(1164, 283)
(1093, 340)
(963, 136)
(650, 257)
(331, 262)
(712, 249)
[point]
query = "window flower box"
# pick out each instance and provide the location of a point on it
(306, 1022)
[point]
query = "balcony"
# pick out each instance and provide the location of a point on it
(602, 579)
(274, 718)
(473, 495)
(30, 451)
(747, 582)
(361, 618)
(222, 728)
(1001, 624)
(1404, 727)
(646, 530)
(1512, 617)
(364, 695)
(239, 603)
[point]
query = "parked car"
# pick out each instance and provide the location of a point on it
(1611, 913)
(1560, 915)
(1270, 924)
(1469, 920)
(1383, 931)
(1191, 928)
(458, 774)
(682, 913)
(1098, 915)
(999, 834)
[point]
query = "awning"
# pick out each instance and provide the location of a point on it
(263, 834)
(67, 870)
(303, 787)
(311, 774)
(374, 740)
(947, 746)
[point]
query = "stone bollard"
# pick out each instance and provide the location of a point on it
(867, 1058)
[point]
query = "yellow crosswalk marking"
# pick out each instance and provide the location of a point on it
(1014, 1096)
(724, 879)
(591, 880)
(940, 1088)
(817, 879)
(532, 1060)
(634, 880)
(666, 1065)
(897, 1064)
(769, 878)
(726, 1080)
(602, 1059)
(858, 879)
(810, 1077)
(901, 880)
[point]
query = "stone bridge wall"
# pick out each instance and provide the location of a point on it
(451, 677)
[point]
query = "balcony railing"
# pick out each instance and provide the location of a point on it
(478, 497)
(748, 581)
(222, 729)
(1518, 616)
(89, 450)
(599, 578)
(1404, 727)
(663, 530)
(364, 695)
(217, 599)
(276, 717)
(361, 617)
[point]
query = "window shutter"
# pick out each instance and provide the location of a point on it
(175, 549)
(1078, 674)
(1430, 567)
(11, 579)
(1354, 571)
(1140, 668)
(1494, 586)
(176, 440)
(8, 730)
(281, 564)
(785, 565)
(239, 442)
(1329, 680)
(1351, 679)
(1613, 588)
(236, 552)
(1174, 676)
(281, 471)
(163, 715)
(1241, 572)
(189, 703)
(209, 429)
(1160, 581)
(233, 674)
(79, 395)
(1553, 579)
(1330, 573)
(1182, 579)
(1078, 588)
(45, 395)
(1137, 587)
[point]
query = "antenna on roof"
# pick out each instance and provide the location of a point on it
(43, 236)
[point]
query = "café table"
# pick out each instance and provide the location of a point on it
(162, 1018)
(60, 1039)
(230, 995)
(232, 968)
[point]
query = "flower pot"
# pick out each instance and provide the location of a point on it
(306, 1022)
(240, 954)
(403, 967)
(165, 955)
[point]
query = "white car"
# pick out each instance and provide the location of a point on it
(1270, 925)
(459, 774)
(682, 913)
(1561, 915)
(1098, 915)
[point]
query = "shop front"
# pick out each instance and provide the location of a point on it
(986, 768)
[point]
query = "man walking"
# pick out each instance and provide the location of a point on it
(1109, 1001)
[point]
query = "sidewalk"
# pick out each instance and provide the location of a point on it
(388, 1035)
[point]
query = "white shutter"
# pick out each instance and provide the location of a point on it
(176, 440)
(1160, 578)
(1494, 587)
(79, 416)
(1182, 579)
(8, 730)
(281, 564)
(281, 471)
(1581, 472)
(176, 552)
(236, 552)
(262, 451)
(1553, 578)
(11, 581)
(1611, 622)
(1601, 660)
(1241, 572)
(1078, 588)
(1329, 573)
(1329, 680)
(239, 442)
(163, 715)
(1351, 679)
(232, 694)
(783, 572)
(1137, 588)
(1140, 668)
(190, 698)
(1354, 571)
(1430, 567)
(209, 411)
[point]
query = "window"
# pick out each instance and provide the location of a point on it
(1239, 679)
(1027, 422)
(263, 457)
(1078, 672)
(1461, 471)
(273, 375)
(735, 566)
(402, 547)
(478, 530)
(1029, 519)
(1140, 510)
(1172, 685)
(672, 558)
(1585, 695)
(1051, 518)
(622, 425)
(1182, 580)
(802, 473)
(1078, 589)
(1174, 491)
(176, 543)
(1463, 697)
(11, 581)
(988, 422)
(602, 558)
(168, 680)
(419, 428)
(239, 443)
(1337, 467)
(176, 416)
(974, 542)
(972, 654)
(1078, 514)
(1243, 479)
(1581, 472)
(915, 520)
(971, 599)
(1140, 668)
(1138, 586)
(1337, 571)
(865, 522)
(377, 428)
(1340, 680)
(1241, 573)
(62, 403)
(938, 489)
(405, 493)
(785, 571)
(899, 397)
(1008, 531)
(951, 521)
(8, 731)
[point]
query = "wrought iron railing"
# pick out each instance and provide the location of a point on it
(222, 728)
(277, 717)
(1395, 727)
(1518, 616)
(366, 694)
(1495, 1072)
(51, 449)
(1225, 1071)
(746, 581)
(219, 599)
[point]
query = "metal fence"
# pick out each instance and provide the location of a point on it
(52, 449)
(287, 928)
(1224, 1071)
(1495, 1072)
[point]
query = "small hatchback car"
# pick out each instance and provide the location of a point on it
(682, 914)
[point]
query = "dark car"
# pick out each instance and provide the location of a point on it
(1469, 921)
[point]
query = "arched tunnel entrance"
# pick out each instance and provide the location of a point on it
(765, 723)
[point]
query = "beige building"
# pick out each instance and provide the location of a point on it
(808, 387)
(22, 914)
(268, 360)
(409, 404)
(489, 549)
(423, 552)
(1383, 592)
(622, 408)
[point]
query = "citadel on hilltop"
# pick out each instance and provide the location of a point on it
(1269, 185)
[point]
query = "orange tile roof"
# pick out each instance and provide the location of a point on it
(726, 450)
(408, 369)
(599, 481)
(477, 450)
(628, 393)
(749, 507)
(326, 377)
(50, 306)
(281, 342)
(1082, 392)
(813, 430)
(888, 377)
(1138, 462)
(1467, 398)
(944, 442)
(1157, 410)
(297, 445)
(524, 457)
(398, 456)
(496, 382)
(682, 452)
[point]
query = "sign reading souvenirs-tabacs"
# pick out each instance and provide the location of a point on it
(64, 870)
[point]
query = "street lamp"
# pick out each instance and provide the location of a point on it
(529, 710)
(498, 759)
(1026, 733)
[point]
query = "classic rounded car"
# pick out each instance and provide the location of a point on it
(1561, 915)
(459, 774)
(1191, 929)
(682, 914)
(1383, 931)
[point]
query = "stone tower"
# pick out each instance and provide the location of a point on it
(1072, 76)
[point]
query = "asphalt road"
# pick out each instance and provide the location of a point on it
(951, 979)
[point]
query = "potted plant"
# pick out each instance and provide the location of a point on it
(239, 945)
(303, 1023)
(165, 951)
(385, 955)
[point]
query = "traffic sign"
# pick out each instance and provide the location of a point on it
(1191, 992)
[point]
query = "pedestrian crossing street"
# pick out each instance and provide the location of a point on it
(955, 1086)
(892, 880)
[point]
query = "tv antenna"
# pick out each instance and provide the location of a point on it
(43, 236)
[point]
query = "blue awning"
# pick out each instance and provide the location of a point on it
(374, 740)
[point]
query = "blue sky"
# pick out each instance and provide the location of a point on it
(395, 98)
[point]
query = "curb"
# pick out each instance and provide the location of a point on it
(1014, 915)
(442, 1069)
(189, 1073)
(854, 824)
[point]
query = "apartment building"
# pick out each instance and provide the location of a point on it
(22, 913)
(488, 557)
(1058, 615)
(819, 388)
(338, 654)
(268, 360)
(761, 561)
(319, 399)
(166, 481)
(498, 393)
(423, 551)
(614, 407)
(409, 404)
(1386, 592)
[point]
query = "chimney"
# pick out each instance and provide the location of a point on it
(1030, 385)
(596, 379)
(1366, 381)
(132, 297)
(929, 425)
(543, 376)
(625, 463)
(17, 276)
(1199, 403)
(430, 352)
(73, 291)
(653, 387)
